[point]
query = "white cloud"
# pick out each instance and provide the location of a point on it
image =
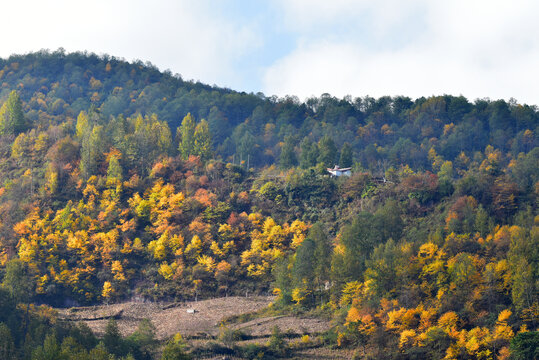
(474, 48)
(306, 16)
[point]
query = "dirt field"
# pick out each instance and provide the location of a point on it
(167, 318)
(202, 325)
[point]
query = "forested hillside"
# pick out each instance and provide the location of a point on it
(118, 181)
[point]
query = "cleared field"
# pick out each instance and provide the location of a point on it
(168, 318)
(199, 322)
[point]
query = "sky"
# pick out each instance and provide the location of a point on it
(475, 48)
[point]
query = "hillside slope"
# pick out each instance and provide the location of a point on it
(118, 181)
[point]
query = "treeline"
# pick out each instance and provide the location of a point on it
(119, 181)
(56, 87)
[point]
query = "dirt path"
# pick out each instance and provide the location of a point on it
(167, 318)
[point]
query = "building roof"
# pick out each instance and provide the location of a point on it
(337, 168)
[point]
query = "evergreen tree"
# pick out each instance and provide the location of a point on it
(115, 169)
(17, 280)
(246, 146)
(309, 153)
(328, 152)
(83, 125)
(100, 353)
(175, 350)
(51, 348)
(91, 151)
(283, 280)
(313, 261)
(345, 159)
(218, 124)
(7, 345)
(12, 119)
(113, 339)
(304, 265)
(358, 239)
(202, 141)
(525, 346)
(143, 341)
(288, 153)
(322, 254)
(117, 128)
(187, 133)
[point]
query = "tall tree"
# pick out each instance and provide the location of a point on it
(91, 151)
(322, 256)
(218, 124)
(187, 133)
(346, 156)
(7, 346)
(12, 119)
(304, 265)
(17, 280)
(288, 154)
(309, 153)
(115, 169)
(328, 151)
(202, 141)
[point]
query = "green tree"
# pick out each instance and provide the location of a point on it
(247, 147)
(382, 268)
(113, 339)
(100, 353)
(523, 289)
(17, 280)
(82, 126)
(309, 153)
(49, 351)
(115, 169)
(482, 221)
(72, 350)
(358, 240)
(218, 124)
(143, 341)
(152, 138)
(288, 153)
(91, 152)
(84, 336)
(283, 280)
(346, 159)
(321, 256)
(175, 350)
(276, 343)
(202, 141)
(304, 265)
(525, 346)
(388, 222)
(327, 152)
(12, 119)
(187, 133)
(7, 346)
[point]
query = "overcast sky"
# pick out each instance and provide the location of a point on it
(477, 48)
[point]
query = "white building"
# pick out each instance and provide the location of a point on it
(337, 171)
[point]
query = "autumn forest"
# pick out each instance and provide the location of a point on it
(121, 182)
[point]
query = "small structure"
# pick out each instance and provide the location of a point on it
(191, 311)
(338, 171)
